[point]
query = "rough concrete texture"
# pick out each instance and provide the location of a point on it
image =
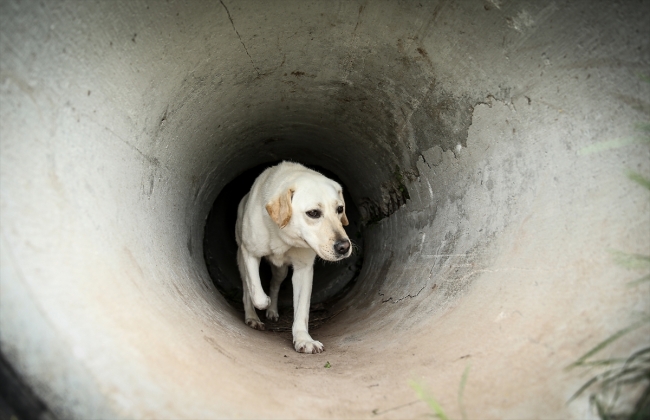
(508, 125)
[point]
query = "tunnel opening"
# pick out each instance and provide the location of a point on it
(331, 280)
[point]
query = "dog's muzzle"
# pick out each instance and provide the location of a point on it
(342, 247)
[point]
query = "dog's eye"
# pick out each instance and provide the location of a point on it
(339, 209)
(314, 214)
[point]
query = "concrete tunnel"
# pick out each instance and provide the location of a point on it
(485, 146)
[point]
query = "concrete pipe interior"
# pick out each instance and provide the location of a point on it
(485, 145)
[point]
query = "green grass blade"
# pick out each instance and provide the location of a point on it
(637, 354)
(639, 281)
(643, 127)
(642, 408)
(461, 390)
(639, 179)
(606, 145)
(582, 389)
(603, 362)
(603, 412)
(631, 380)
(629, 375)
(630, 261)
(608, 341)
(424, 396)
(631, 371)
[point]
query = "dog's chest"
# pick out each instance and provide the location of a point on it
(278, 260)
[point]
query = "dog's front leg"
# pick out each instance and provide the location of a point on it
(302, 282)
(250, 265)
(250, 316)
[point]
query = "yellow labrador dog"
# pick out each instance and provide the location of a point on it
(290, 215)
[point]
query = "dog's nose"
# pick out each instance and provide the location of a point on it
(342, 247)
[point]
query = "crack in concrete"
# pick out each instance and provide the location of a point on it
(350, 58)
(153, 161)
(378, 412)
(415, 106)
(527, 25)
(401, 299)
(358, 18)
(240, 40)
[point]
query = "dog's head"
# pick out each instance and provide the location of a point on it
(312, 211)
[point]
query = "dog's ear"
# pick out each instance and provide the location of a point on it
(280, 208)
(344, 219)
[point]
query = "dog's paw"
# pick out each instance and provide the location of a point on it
(309, 346)
(262, 303)
(255, 324)
(272, 315)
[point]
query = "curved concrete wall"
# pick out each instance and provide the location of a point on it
(507, 127)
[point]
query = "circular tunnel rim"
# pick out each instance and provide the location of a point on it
(490, 101)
